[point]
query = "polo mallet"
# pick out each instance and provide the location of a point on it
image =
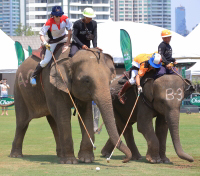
(94, 147)
(108, 159)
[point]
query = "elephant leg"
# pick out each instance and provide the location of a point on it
(54, 128)
(22, 123)
(161, 132)
(107, 149)
(63, 121)
(128, 135)
(86, 149)
(145, 126)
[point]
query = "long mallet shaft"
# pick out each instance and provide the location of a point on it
(94, 147)
(108, 159)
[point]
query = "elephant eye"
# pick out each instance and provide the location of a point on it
(85, 79)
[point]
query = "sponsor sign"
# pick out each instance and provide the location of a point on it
(195, 101)
(5, 102)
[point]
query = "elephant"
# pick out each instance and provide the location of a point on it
(87, 76)
(161, 98)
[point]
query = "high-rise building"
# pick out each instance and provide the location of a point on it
(180, 22)
(101, 8)
(38, 11)
(154, 12)
(9, 16)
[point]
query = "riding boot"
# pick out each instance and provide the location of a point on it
(122, 91)
(35, 74)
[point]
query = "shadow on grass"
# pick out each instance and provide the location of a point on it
(47, 159)
(143, 160)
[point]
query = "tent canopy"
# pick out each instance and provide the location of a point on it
(145, 39)
(9, 61)
(194, 70)
(192, 39)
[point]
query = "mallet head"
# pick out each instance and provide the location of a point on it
(108, 160)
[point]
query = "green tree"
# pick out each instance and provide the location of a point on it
(23, 30)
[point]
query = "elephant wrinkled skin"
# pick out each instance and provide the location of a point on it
(164, 96)
(87, 75)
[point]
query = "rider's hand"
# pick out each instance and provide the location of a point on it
(139, 90)
(65, 47)
(169, 66)
(84, 47)
(99, 48)
(47, 45)
(175, 63)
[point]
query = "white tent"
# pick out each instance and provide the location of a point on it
(9, 61)
(145, 39)
(192, 40)
(194, 70)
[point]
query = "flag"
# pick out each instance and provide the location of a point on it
(29, 51)
(126, 47)
(20, 53)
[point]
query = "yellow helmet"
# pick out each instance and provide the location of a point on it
(166, 33)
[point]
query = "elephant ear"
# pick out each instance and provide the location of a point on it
(110, 63)
(188, 88)
(60, 75)
(148, 89)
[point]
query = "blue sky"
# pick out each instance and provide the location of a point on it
(192, 8)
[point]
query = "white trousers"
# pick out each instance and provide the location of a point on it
(133, 75)
(48, 54)
(96, 114)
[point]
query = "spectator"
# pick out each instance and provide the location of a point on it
(4, 94)
(96, 114)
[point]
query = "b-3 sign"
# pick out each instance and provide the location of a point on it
(195, 101)
(4, 102)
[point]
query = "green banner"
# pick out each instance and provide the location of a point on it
(29, 51)
(20, 53)
(195, 101)
(5, 102)
(183, 72)
(126, 47)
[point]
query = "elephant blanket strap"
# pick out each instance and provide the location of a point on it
(39, 53)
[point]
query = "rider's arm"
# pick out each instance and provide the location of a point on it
(137, 79)
(94, 41)
(69, 29)
(44, 30)
(161, 50)
(75, 34)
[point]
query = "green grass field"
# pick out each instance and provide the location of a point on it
(40, 155)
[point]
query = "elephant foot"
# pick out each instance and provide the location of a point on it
(165, 160)
(136, 157)
(68, 160)
(86, 156)
(153, 160)
(16, 154)
(106, 154)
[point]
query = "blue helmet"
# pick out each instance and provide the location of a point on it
(155, 60)
(57, 11)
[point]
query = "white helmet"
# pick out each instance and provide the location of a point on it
(135, 64)
(89, 12)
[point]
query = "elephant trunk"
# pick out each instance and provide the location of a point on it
(105, 105)
(173, 122)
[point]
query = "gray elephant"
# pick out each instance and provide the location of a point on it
(162, 99)
(87, 75)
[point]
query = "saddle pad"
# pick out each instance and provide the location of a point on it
(41, 51)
